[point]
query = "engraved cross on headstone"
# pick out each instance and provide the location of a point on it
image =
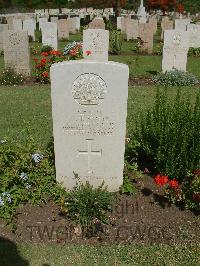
(89, 152)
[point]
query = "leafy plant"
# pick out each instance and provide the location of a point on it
(116, 41)
(9, 78)
(30, 38)
(194, 51)
(27, 175)
(175, 78)
(110, 25)
(85, 205)
(128, 187)
(169, 135)
(186, 192)
(46, 48)
(138, 45)
(191, 190)
(39, 36)
(131, 172)
(35, 50)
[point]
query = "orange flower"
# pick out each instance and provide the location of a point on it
(173, 183)
(45, 74)
(161, 180)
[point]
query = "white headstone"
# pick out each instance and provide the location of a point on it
(77, 23)
(194, 35)
(29, 25)
(97, 42)
(63, 29)
(17, 24)
(175, 50)
(3, 27)
(181, 24)
(72, 25)
(49, 34)
(89, 106)
(132, 29)
(54, 19)
(10, 22)
(119, 23)
(166, 24)
(16, 51)
(41, 22)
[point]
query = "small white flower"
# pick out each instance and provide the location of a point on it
(24, 176)
(1, 202)
(37, 157)
(2, 141)
(27, 185)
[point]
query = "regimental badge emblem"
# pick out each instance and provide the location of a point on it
(89, 89)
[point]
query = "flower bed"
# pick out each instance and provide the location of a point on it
(43, 64)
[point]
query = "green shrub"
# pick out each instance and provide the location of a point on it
(116, 41)
(27, 175)
(110, 25)
(9, 78)
(191, 191)
(186, 193)
(138, 45)
(30, 38)
(175, 78)
(85, 204)
(46, 48)
(39, 36)
(194, 51)
(169, 135)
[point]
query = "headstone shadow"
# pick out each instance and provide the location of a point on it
(9, 255)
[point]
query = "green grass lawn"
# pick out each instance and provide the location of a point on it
(30, 108)
(57, 255)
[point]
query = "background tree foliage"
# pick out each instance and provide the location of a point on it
(192, 6)
(164, 5)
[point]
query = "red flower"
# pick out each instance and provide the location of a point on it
(173, 183)
(161, 180)
(88, 52)
(36, 60)
(73, 52)
(45, 74)
(44, 54)
(54, 52)
(44, 60)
